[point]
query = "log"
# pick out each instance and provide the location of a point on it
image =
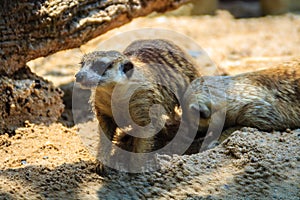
(34, 28)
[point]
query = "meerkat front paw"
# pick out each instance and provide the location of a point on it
(201, 108)
(100, 169)
(103, 170)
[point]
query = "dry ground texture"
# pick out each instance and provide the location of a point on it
(51, 162)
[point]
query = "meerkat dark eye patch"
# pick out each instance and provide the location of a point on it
(127, 68)
(100, 67)
(110, 65)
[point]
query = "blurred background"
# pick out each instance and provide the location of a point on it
(239, 8)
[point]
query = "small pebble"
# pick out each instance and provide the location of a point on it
(281, 139)
(23, 162)
(253, 159)
(249, 169)
(226, 187)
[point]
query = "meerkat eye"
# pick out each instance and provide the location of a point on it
(127, 69)
(99, 67)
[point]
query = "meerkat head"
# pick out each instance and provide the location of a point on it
(102, 68)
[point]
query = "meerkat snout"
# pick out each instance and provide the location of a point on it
(80, 76)
(87, 78)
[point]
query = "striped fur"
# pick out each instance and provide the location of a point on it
(266, 99)
(167, 71)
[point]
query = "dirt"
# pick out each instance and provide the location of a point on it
(52, 162)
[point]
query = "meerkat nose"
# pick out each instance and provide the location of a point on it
(80, 76)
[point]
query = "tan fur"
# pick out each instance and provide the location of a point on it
(267, 99)
(157, 60)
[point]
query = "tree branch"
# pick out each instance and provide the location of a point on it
(35, 28)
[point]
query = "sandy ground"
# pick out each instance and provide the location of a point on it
(52, 162)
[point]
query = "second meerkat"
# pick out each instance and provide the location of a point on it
(147, 73)
(267, 99)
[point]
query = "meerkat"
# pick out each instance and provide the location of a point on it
(148, 72)
(267, 99)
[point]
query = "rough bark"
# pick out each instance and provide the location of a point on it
(35, 28)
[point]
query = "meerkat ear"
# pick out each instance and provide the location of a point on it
(128, 69)
(204, 111)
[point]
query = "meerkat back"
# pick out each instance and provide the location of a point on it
(165, 53)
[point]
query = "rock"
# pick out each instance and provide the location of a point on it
(27, 97)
